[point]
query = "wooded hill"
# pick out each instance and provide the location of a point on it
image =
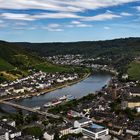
(118, 52)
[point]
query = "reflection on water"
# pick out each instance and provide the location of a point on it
(90, 85)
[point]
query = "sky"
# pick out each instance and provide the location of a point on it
(68, 20)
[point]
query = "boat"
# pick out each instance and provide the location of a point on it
(70, 97)
(56, 102)
(53, 103)
(49, 104)
(63, 98)
(38, 94)
(59, 101)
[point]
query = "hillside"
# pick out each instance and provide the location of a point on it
(118, 52)
(90, 48)
(21, 56)
(14, 61)
(13, 56)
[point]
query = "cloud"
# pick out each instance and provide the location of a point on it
(138, 8)
(3, 24)
(78, 24)
(28, 17)
(21, 23)
(125, 14)
(14, 16)
(24, 28)
(1, 21)
(107, 28)
(53, 27)
(84, 25)
(56, 15)
(61, 5)
(101, 17)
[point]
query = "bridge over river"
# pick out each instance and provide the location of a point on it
(29, 109)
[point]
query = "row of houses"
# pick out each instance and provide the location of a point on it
(34, 82)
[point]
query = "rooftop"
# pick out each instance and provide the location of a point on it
(135, 90)
(94, 128)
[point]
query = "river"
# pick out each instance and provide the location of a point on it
(91, 84)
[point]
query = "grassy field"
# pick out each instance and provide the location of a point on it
(134, 71)
(50, 68)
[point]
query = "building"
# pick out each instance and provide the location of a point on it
(11, 132)
(95, 131)
(4, 134)
(87, 128)
(10, 122)
(72, 113)
(48, 135)
(66, 129)
(131, 103)
(138, 109)
(82, 122)
(134, 91)
(116, 130)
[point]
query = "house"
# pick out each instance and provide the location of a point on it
(10, 122)
(130, 103)
(75, 130)
(134, 91)
(66, 129)
(138, 109)
(125, 76)
(14, 134)
(115, 130)
(72, 113)
(132, 132)
(95, 131)
(4, 134)
(18, 91)
(3, 92)
(82, 122)
(48, 135)
(12, 131)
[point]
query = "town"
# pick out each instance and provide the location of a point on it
(112, 113)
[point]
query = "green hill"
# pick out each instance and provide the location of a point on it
(13, 56)
(118, 53)
(15, 62)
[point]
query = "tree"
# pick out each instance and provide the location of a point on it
(34, 131)
(56, 136)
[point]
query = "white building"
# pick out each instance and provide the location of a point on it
(48, 136)
(95, 131)
(82, 122)
(138, 109)
(87, 128)
(4, 134)
(18, 91)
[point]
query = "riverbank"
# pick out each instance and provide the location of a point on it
(44, 91)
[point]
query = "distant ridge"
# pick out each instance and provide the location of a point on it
(118, 52)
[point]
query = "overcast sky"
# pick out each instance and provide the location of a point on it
(68, 20)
